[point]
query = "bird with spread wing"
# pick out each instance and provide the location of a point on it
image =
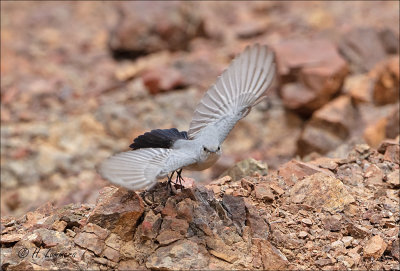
(158, 153)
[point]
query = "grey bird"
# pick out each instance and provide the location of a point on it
(160, 152)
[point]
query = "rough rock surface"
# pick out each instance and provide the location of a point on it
(319, 214)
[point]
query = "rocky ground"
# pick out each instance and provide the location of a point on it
(81, 80)
(325, 214)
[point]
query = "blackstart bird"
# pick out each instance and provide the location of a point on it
(157, 153)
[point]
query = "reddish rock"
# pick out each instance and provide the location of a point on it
(363, 48)
(393, 179)
(144, 28)
(263, 192)
(357, 231)
(321, 72)
(236, 210)
(299, 170)
(272, 258)
(59, 225)
(90, 241)
(99, 231)
(359, 87)
(117, 210)
(375, 247)
(258, 226)
(374, 175)
(331, 224)
(392, 129)
(374, 133)
(395, 249)
(392, 154)
(328, 127)
(161, 79)
(150, 225)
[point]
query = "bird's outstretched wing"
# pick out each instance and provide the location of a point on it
(240, 87)
(140, 169)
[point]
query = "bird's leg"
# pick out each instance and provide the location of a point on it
(179, 177)
(170, 180)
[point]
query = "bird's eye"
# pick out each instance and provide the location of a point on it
(204, 149)
(219, 148)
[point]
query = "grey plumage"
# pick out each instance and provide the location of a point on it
(242, 85)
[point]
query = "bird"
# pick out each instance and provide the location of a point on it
(160, 152)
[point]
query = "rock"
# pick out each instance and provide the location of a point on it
(307, 221)
(357, 231)
(90, 241)
(117, 210)
(331, 224)
(393, 179)
(347, 240)
(374, 133)
(359, 87)
(302, 234)
(375, 247)
(258, 226)
(386, 76)
(99, 231)
(246, 168)
(299, 170)
(322, 191)
(51, 238)
(236, 209)
(151, 225)
(161, 79)
(272, 258)
(395, 249)
(263, 192)
(392, 154)
(11, 238)
(59, 225)
(392, 129)
(315, 69)
(219, 249)
(374, 175)
(328, 127)
(143, 28)
(363, 48)
(183, 254)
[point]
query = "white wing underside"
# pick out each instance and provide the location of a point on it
(140, 169)
(240, 87)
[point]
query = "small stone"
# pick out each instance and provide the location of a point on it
(307, 221)
(393, 179)
(10, 238)
(337, 244)
(275, 188)
(347, 240)
(168, 236)
(331, 224)
(375, 247)
(303, 234)
(89, 241)
(357, 231)
(59, 225)
(99, 231)
(246, 168)
(114, 241)
(111, 254)
(263, 192)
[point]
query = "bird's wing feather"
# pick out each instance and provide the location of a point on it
(140, 169)
(240, 87)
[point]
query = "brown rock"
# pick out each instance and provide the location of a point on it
(374, 133)
(393, 178)
(168, 236)
(390, 40)
(392, 129)
(386, 76)
(161, 79)
(89, 241)
(395, 249)
(143, 28)
(113, 241)
(321, 190)
(392, 154)
(332, 224)
(328, 127)
(258, 226)
(11, 238)
(236, 209)
(375, 247)
(363, 48)
(359, 87)
(150, 226)
(263, 192)
(185, 210)
(219, 249)
(374, 175)
(298, 169)
(183, 254)
(117, 210)
(111, 254)
(272, 258)
(51, 238)
(321, 72)
(357, 231)
(246, 168)
(99, 231)
(59, 225)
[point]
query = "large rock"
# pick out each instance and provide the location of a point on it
(145, 28)
(375, 247)
(386, 77)
(328, 127)
(322, 191)
(117, 210)
(320, 73)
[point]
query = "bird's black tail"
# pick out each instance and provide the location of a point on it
(160, 138)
